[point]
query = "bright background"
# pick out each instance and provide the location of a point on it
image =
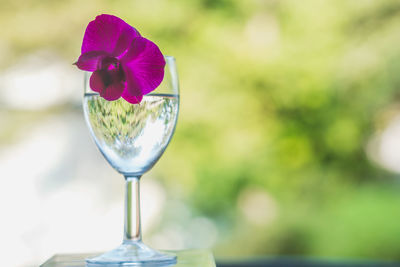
(288, 141)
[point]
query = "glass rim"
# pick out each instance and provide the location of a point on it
(169, 59)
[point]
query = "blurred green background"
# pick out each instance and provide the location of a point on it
(286, 141)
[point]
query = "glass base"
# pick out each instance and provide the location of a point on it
(132, 254)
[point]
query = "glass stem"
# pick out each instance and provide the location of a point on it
(132, 225)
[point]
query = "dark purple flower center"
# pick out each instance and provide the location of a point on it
(110, 71)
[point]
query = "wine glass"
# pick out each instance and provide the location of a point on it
(132, 137)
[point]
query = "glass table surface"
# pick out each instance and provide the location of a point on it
(186, 258)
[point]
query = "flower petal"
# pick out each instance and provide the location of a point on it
(131, 98)
(113, 92)
(96, 82)
(124, 41)
(102, 82)
(89, 61)
(143, 65)
(108, 33)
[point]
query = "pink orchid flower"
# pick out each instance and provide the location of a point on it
(123, 63)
